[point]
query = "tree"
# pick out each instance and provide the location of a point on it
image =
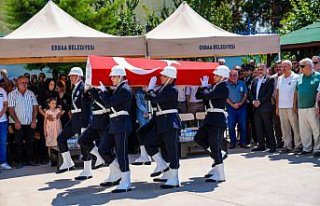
(127, 23)
(304, 12)
(264, 15)
(154, 19)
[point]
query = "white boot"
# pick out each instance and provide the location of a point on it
(67, 162)
(114, 175)
(144, 158)
(86, 173)
(173, 180)
(211, 172)
(224, 154)
(162, 166)
(164, 177)
(99, 160)
(125, 183)
(218, 174)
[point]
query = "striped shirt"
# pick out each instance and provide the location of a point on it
(22, 105)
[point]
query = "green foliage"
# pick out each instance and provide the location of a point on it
(246, 59)
(304, 12)
(19, 11)
(265, 14)
(223, 17)
(154, 19)
(3, 26)
(127, 22)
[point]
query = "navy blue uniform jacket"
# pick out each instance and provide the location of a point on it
(218, 95)
(120, 100)
(167, 98)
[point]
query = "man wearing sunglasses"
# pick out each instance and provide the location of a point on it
(308, 121)
(316, 63)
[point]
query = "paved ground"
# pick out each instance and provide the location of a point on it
(252, 179)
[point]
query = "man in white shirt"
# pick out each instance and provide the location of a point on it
(23, 107)
(286, 107)
(194, 105)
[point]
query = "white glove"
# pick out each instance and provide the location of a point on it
(83, 129)
(204, 81)
(102, 87)
(152, 83)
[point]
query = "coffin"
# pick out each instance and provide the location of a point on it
(140, 70)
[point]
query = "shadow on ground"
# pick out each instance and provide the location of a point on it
(60, 184)
(296, 159)
(26, 171)
(291, 157)
(96, 195)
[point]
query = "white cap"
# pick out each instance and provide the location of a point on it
(118, 70)
(76, 71)
(4, 71)
(169, 71)
(222, 70)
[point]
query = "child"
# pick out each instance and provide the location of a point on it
(52, 123)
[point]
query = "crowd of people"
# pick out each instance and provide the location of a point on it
(276, 107)
(270, 108)
(34, 109)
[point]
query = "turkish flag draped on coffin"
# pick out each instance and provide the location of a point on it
(140, 70)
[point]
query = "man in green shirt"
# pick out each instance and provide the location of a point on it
(309, 123)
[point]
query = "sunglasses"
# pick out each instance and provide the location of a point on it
(315, 62)
(302, 66)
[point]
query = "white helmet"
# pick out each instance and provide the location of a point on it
(222, 70)
(169, 71)
(118, 70)
(76, 71)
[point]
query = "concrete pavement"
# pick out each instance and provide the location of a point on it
(253, 179)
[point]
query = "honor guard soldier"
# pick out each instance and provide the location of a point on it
(98, 123)
(78, 121)
(215, 123)
(147, 133)
(118, 132)
(167, 125)
(148, 137)
(142, 133)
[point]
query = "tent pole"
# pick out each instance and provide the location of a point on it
(279, 55)
(147, 50)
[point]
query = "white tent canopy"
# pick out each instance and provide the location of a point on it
(54, 34)
(186, 34)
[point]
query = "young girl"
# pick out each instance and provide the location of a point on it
(52, 123)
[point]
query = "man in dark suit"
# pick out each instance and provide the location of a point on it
(248, 78)
(261, 93)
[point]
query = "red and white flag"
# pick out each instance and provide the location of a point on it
(140, 70)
